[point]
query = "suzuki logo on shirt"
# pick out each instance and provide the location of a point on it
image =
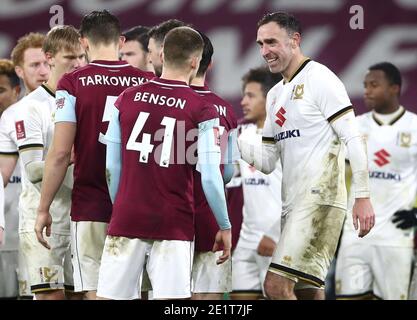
(382, 157)
(280, 117)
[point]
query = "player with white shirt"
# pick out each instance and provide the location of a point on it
(32, 68)
(364, 266)
(261, 195)
(9, 216)
(50, 271)
(309, 119)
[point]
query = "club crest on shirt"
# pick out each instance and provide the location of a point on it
(297, 92)
(60, 103)
(405, 139)
(20, 130)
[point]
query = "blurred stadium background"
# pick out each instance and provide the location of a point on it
(389, 33)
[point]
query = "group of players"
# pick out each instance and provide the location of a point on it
(124, 161)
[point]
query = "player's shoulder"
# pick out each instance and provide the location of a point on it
(410, 119)
(319, 70)
(145, 74)
(364, 117)
(10, 112)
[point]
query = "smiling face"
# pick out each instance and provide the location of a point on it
(276, 46)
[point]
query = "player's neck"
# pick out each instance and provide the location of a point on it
(260, 123)
(293, 66)
(198, 81)
(52, 82)
(176, 75)
(107, 53)
(391, 108)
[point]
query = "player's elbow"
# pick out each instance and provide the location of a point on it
(61, 156)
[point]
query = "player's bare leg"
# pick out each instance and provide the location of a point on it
(246, 296)
(90, 295)
(71, 295)
(51, 295)
(207, 296)
(278, 287)
(310, 294)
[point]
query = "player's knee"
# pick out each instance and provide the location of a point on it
(278, 288)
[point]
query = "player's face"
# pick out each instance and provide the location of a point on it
(154, 56)
(253, 102)
(134, 54)
(68, 60)
(35, 69)
(379, 92)
(275, 47)
(8, 94)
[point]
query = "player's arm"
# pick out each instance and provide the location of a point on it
(231, 156)
(7, 165)
(113, 154)
(8, 150)
(57, 161)
(346, 127)
(264, 157)
(209, 158)
(2, 222)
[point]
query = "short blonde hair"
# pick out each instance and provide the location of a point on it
(31, 40)
(61, 37)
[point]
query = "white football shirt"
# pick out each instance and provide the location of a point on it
(392, 162)
(299, 113)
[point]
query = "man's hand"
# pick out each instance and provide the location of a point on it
(363, 211)
(266, 247)
(405, 219)
(43, 220)
(223, 239)
(1, 235)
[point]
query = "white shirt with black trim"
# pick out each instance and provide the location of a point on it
(392, 162)
(34, 127)
(299, 115)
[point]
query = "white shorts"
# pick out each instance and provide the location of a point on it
(209, 277)
(8, 276)
(169, 268)
(48, 269)
(87, 243)
(249, 270)
(23, 277)
(307, 245)
(368, 271)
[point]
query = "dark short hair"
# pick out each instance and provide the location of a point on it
(159, 31)
(284, 20)
(7, 69)
(391, 72)
(139, 34)
(263, 76)
(100, 27)
(179, 44)
(207, 54)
